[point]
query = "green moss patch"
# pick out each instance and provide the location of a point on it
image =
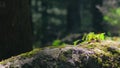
(21, 56)
(30, 54)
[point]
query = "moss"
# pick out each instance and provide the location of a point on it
(106, 57)
(113, 50)
(8, 60)
(31, 53)
(23, 55)
(63, 58)
(61, 46)
(93, 55)
(106, 61)
(106, 65)
(65, 55)
(91, 46)
(99, 60)
(68, 52)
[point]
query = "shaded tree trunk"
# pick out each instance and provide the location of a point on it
(97, 17)
(44, 22)
(73, 16)
(15, 28)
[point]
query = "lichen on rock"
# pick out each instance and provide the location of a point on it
(104, 54)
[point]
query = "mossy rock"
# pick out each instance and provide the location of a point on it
(105, 54)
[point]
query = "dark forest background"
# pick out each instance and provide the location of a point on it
(28, 24)
(68, 19)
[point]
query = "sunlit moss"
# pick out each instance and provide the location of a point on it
(7, 60)
(31, 53)
(23, 55)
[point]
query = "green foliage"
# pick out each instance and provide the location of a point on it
(56, 42)
(93, 37)
(113, 16)
(100, 36)
(90, 37)
(76, 42)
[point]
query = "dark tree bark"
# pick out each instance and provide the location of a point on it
(44, 23)
(15, 27)
(73, 16)
(97, 16)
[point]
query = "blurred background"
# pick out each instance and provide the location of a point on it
(67, 20)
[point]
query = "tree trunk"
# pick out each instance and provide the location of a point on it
(97, 17)
(15, 27)
(73, 16)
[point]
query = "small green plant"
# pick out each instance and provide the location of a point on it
(93, 37)
(76, 42)
(100, 36)
(56, 42)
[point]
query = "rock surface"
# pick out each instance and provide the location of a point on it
(104, 54)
